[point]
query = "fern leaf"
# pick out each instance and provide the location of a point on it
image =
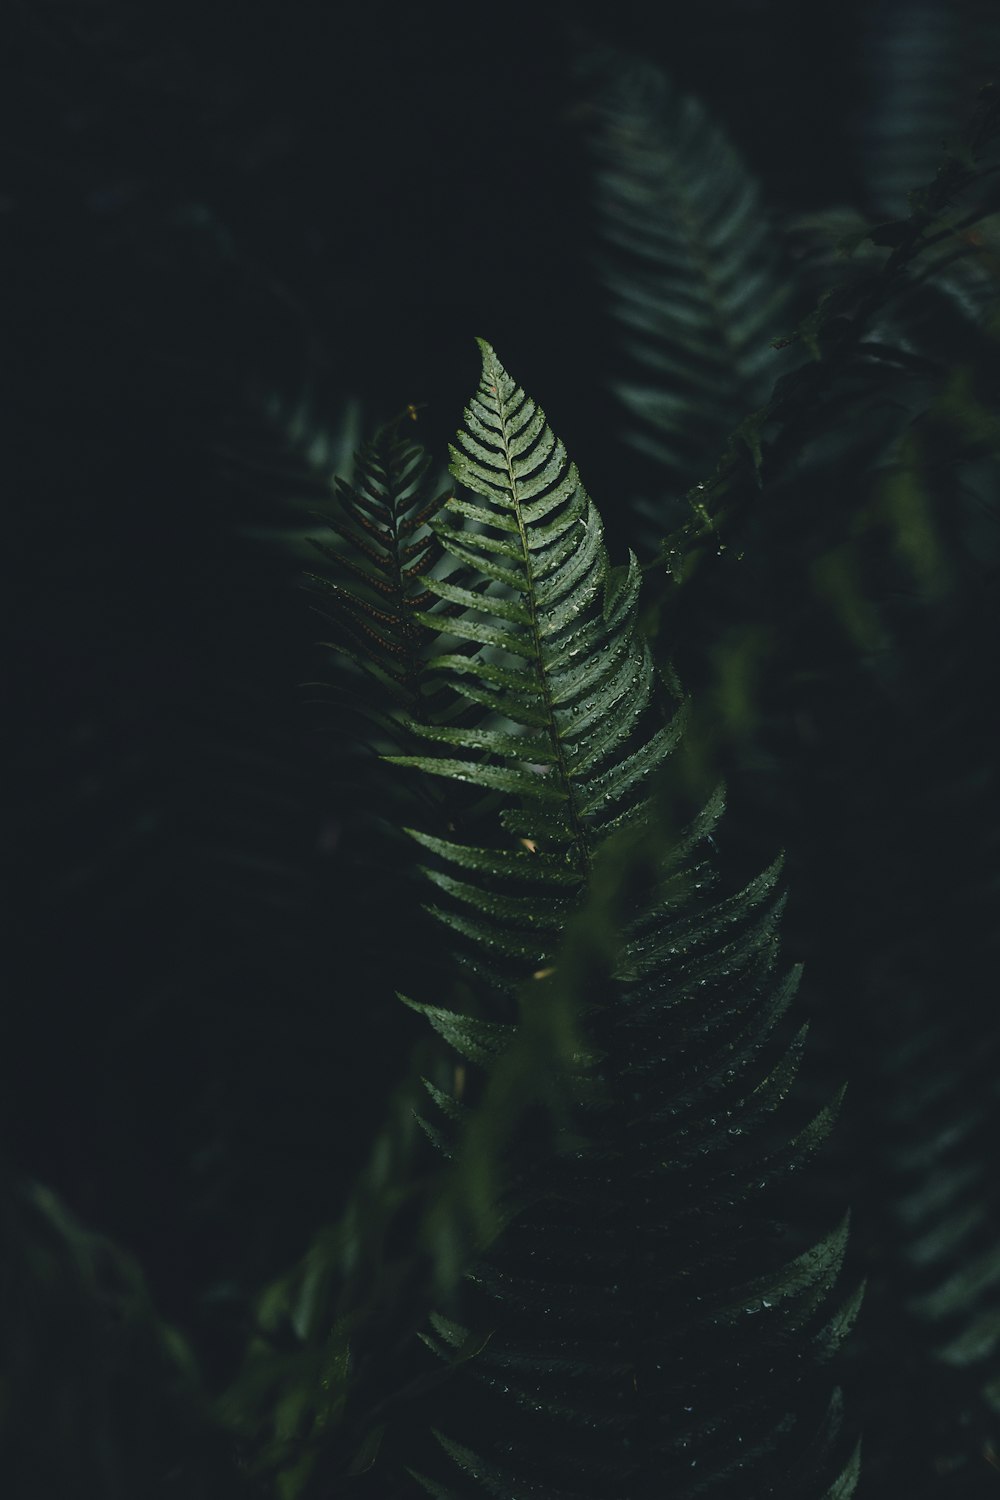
(382, 544)
(643, 1307)
(552, 608)
(692, 270)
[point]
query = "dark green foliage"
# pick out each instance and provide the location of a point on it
(919, 1138)
(383, 546)
(98, 1396)
(693, 270)
(869, 468)
(847, 330)
(560, 661)
(214, 903)
(614, 1301)
(924, 64)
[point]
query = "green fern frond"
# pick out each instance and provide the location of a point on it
(864, 364)
(384, 544)
(643, 1305)
(286, 458)
(693, 270)
(845, 1484)
(559, 664)
(943, 1104)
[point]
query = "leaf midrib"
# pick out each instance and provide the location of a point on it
(580, 841)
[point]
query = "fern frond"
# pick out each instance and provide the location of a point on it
(383, 545)
(286, 457)
(844, 386)
(692, 269)
(643, 1306)
(558, 661)
(642, 1316)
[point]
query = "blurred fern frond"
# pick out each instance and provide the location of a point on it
(692, 268)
